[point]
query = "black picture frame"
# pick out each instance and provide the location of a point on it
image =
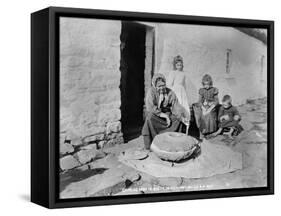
(45, 106)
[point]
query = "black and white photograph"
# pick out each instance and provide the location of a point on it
(158, 107)
(139, 108)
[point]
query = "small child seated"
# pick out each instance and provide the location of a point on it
(229, 118)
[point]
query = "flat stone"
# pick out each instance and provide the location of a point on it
(113, 142)
(100, 154)
(66, 149)
(89, 146)
(68, 162)
(85, 156)
(114, 135)
(76, 142)
(101, 144)
(94, 138)
(100, 183)
(113, 127)
(82, 168)
(133, 177)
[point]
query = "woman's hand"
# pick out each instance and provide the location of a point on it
(185, 120)
(168, 121)
(165, 116)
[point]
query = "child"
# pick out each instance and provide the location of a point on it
(229, 118)
(205, 110)
(177, 82)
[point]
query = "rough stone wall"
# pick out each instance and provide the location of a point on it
(89, 88)
(204, 48)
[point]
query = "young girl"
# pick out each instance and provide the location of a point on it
(205, 110)
(229, 118)
(177, 82)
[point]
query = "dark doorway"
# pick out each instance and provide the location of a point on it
(132, 67)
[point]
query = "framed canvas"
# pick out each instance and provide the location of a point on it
(133, 107)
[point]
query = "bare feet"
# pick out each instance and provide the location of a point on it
(216, 133)
(201, 136)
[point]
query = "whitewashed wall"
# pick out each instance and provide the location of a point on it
(203, 49)
(89, 88)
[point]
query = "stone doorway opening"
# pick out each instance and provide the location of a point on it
(136, 66)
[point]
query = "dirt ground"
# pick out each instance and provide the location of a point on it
(107, 176)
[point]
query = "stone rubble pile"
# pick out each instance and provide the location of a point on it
(78, 151)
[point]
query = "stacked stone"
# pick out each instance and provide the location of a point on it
(90, 97)
(78, 154)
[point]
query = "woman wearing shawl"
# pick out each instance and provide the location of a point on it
(164, 113)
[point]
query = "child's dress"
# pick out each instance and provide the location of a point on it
(231, 123)
(207, 123)
(176, 82)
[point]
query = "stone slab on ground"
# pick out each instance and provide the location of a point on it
(68, 162)
(113, 179)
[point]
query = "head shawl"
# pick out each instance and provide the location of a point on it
(156, 78)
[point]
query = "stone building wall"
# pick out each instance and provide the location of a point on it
(204, 50)
(89, 88)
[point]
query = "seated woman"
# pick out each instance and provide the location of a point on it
(164, 113)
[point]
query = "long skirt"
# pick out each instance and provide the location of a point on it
(206, 123)
(154, 125)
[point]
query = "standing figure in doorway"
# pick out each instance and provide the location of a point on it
(177, 82)
(164, 114)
